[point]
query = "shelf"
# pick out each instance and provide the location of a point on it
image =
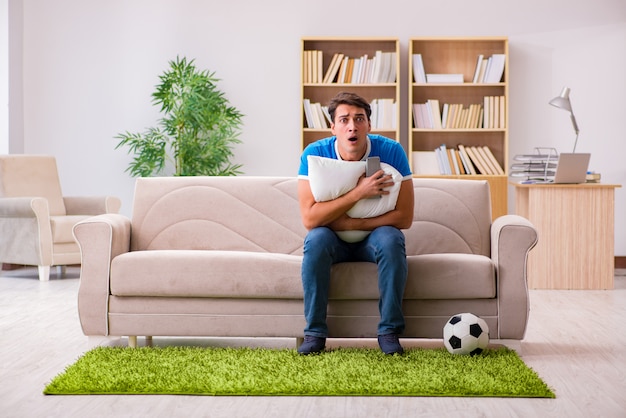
(353, 48)
(459, 55)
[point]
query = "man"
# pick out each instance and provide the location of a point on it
(351, 141)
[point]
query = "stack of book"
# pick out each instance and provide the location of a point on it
(488, 70)
(491, 114)
(463, 160)
(342, 69)
(384, 114)
(540, 166)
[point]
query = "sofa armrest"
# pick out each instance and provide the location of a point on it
(100, 238)
(25, 232)
(512, 238)
(91, 205)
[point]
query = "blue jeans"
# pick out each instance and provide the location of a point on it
(383, 246)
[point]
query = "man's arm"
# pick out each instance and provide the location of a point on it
(333, 212)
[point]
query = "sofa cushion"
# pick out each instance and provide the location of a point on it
(191, 273)
(450, 216)
(258, 214)
(433, 276)
(450, 276)
(238, 274)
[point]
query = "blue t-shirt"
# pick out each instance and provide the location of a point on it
(389, 151)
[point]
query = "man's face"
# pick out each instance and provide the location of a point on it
(351, 127)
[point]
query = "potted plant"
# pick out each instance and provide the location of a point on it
(196, 133)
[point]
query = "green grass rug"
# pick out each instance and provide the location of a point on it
(274, 372)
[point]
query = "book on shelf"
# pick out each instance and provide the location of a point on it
(467, 163)
(383, 114)
(502, 112)
(313, 66)
(477, 161)
(326, 114)
(491, 169)
(343, 69)
(483, 69)
(316, 115)
(491, 114)
(494, 112)
(444, 78)
(333, 68)
(419, 75)
(495, 68)
(422, 116)
(434, 113)
(479, 64)
(463, 160)
(489, 69)
(459, 162)
(417, 122)
(393, 68)
(320, 119)
(349, 71)
(453, 162)
(450, 161)
(308, 114)
(445, 111)
(442, 159)
(494, 162)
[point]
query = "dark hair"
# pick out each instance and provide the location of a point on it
(348, 99)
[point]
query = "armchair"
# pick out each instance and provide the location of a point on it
(36, 220)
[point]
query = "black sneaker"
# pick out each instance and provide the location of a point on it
(390, 344)
(312, 345)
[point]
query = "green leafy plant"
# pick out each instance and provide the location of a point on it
(196, 133)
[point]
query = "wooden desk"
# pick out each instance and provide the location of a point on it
(575, 223)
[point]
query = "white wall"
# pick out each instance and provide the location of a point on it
(89, 68)
(4, 76)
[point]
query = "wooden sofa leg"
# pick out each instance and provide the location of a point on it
(132, 341)
(44, 273)
(299, 341)
(148, 341)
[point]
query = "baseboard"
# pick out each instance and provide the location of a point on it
(620, 262)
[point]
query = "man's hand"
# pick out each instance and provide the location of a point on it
(375, 185)
(333, 213)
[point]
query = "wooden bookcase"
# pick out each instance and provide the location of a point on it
(459, 56)
(353, 48)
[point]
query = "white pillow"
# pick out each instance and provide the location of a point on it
(330, 178)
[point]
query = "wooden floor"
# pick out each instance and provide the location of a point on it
(576, 341)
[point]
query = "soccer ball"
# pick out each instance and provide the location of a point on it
(466, 334)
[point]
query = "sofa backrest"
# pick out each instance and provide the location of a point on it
(450, 216)
(262, 214)
(217, 213)
(24, 175)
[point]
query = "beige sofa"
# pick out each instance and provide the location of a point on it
(221, 256)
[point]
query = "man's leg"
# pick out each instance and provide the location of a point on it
(322, 248)
(385, 246)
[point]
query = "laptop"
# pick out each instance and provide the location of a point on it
(572, 168)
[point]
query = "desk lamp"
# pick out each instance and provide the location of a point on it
(562, 102)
